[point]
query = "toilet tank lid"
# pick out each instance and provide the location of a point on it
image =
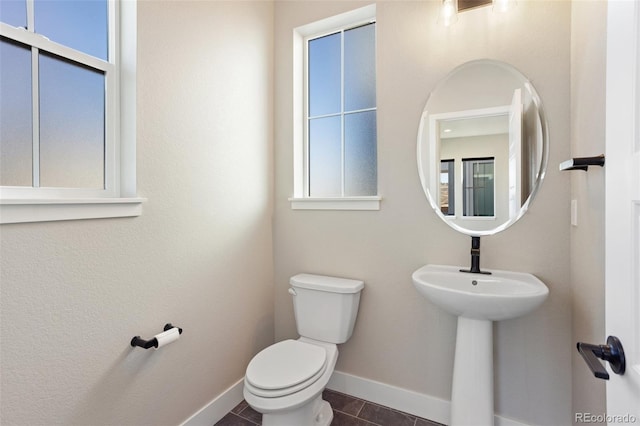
(324, 283)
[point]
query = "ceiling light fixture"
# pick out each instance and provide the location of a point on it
(450, 8)
(449, 12)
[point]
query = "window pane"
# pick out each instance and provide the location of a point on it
(483, 188)
(15, 114)
(360, 68)
(79, 24)
(447, 187)
(71, 125)
(478, 183)
(360, 154)
(324, 75)
(325, 157)
(14, 12)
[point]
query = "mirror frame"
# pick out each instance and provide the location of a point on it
(428, 147)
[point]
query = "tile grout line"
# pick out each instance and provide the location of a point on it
(361, 407)
(384, 407)
(393, 409)
(356, 417)
(247, 418)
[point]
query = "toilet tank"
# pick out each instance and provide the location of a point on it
(325, 307)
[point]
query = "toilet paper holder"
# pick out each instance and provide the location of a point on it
(153, 342)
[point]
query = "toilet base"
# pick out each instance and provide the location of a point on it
(317, 412)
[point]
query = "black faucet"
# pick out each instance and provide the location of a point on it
(475, 258)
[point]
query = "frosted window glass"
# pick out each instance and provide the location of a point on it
(360, 68)
(324, 75)
(325, 157)
(360, 157)
(71, 125)
(14, 13)
(15, 114)
(79, 24)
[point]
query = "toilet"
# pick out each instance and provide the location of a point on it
(285, 381)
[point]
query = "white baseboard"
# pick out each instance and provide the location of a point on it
(410, 402)
(215, 410)
(418, 404)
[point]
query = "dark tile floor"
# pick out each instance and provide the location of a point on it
(347, 411)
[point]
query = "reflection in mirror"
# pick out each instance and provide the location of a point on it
(482, 147)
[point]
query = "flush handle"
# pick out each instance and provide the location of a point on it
(292, 292)
(611, 352)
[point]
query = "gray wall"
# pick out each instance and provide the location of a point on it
(588, 56)
(400, 338)
(200, 256)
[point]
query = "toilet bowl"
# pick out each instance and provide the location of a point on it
(285, 381)
(280, 399)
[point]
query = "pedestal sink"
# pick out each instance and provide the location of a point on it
(477, 300)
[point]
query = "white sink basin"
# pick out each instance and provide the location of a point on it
(477, 300)
(499, 296)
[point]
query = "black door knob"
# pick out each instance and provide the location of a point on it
(611, 352)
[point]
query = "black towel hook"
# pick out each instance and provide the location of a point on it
(582, 163)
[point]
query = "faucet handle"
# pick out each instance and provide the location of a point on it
(475, 243)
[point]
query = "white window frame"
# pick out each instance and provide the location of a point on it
(300, 199)
(118, 198)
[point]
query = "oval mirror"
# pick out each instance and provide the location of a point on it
(482, 147)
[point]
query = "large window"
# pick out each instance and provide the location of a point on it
(65, 122)
(341, 118)
(336, 152)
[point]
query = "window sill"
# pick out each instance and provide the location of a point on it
(338, 203)
(45, 210)
(478, 218)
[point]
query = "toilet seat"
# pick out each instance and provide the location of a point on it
(284, 368)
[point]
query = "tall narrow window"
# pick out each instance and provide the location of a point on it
(447, 187)
(341, 132)
(479, 187)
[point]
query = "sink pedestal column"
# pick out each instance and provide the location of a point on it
(472, 389)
